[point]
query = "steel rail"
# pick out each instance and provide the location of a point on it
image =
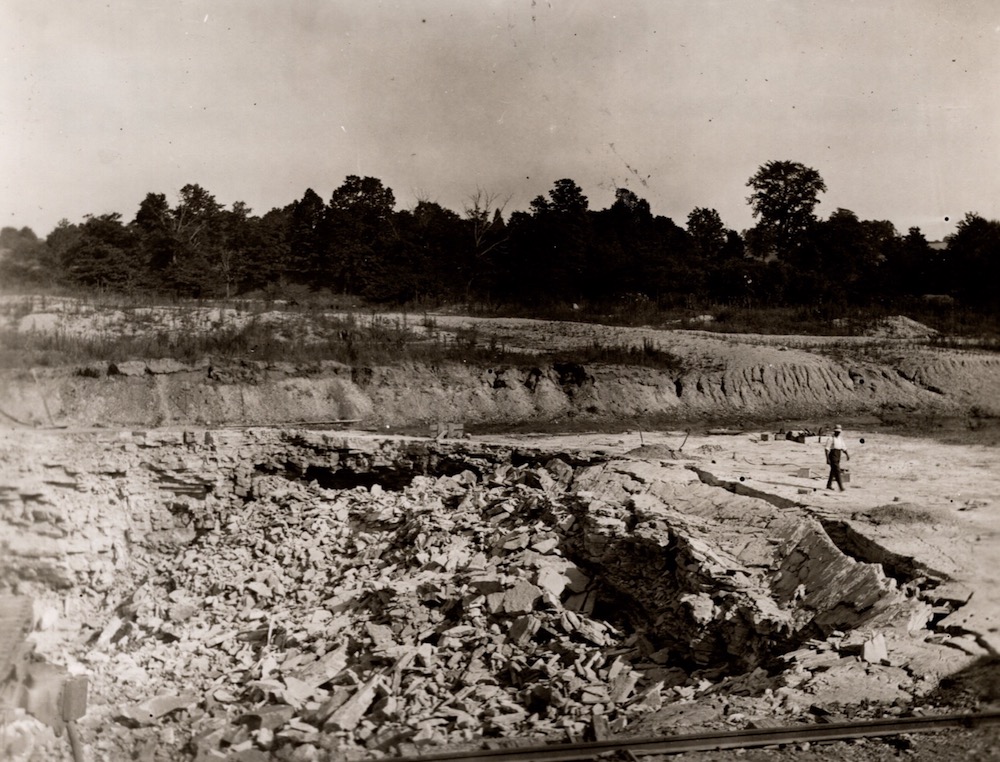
(729, 739)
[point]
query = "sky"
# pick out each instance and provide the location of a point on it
(893, 102)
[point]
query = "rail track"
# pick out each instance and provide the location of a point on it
(713, 741)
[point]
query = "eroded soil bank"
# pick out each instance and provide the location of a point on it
(757, 386)
(298, 594)
(669, 375)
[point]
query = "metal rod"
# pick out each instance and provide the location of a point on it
(732, 739)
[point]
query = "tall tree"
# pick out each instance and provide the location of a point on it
(488, 233)
(974, 256)
(24, 259)
(553, 245)
(307, 239)
(268, 252)
(63, 236)
(235, 240)
(360, 233)
(427, 259)
(911, 268)
(620, 248)
(104, 254)
(708, 234)
(785, 193)
(183, 245)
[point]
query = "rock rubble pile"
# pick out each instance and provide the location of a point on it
(385, 621)
(264, 607)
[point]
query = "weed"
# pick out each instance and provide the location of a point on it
(978, 412)
(467, 338)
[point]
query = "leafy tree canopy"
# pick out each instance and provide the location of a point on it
(785, 193)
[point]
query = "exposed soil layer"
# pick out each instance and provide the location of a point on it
(711, 376)
(259, 394)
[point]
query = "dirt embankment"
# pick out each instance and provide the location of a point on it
(702, 376)
(753, 386)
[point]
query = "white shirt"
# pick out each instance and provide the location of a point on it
(836, 442)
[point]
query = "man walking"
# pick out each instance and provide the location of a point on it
(834, 446)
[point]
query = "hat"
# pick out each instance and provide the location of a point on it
(837, 428)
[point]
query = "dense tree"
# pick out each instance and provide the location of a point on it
(198, 232)
(11, 238)
(63, 237)
(360, 234)
(557, 250)
(974, 257)
(154, 226)
(104, 254)
(267, 255)
(621, 235)
(785, 193)
(913, 267)
(708, 234)
(235, 240)
(566, 197)
(841, 260)
(307, 239)
(427, 259)
(24, 259)
(551, 247)
(488, 233)
(183, 246)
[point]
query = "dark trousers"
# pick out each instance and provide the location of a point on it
(834, 470)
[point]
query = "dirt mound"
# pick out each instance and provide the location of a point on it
(897, 513)
(655, 452)
(900, 327)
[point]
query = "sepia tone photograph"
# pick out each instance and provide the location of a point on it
(499, 381)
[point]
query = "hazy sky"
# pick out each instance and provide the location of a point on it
(894, 102)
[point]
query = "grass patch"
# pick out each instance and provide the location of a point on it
(298, 339)
(649, 355)
(831, 320)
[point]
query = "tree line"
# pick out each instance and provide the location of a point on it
(559, 250)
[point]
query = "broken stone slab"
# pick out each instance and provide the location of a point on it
(149, 711)
(622, 686)
(650, 699)
(874, 650)
(560, 471)
(323, 669)
(354, 709)
(523, 629)
(381, 635)
(127, 368)
(165, 365)
(582, 603)
(519, 599)
(271, 717)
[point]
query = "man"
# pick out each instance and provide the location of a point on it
(834, 446)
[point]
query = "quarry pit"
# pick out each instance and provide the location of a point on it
(246, 559)
(282, 593)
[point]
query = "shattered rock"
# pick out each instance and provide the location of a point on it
(302, 592)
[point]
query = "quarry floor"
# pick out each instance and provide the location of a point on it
(915, 496)
(926, 509)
